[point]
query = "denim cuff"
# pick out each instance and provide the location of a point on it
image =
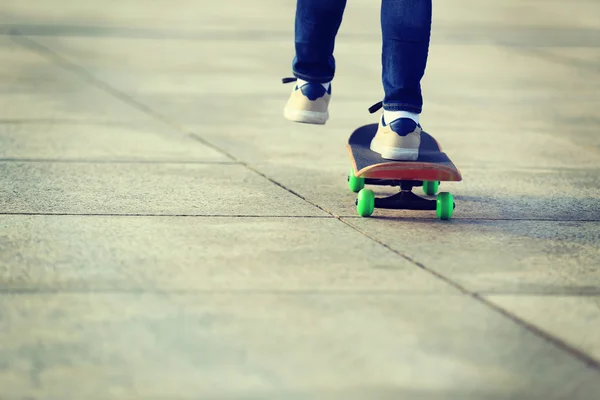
(402, 107)
(315, 79)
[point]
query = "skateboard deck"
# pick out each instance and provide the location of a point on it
(428, 170)
(432, 165)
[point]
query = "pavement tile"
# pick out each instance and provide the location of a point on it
(35, 89)
(100, 142)
(201, 254)
(173, 189)
(573, 318)
(539, 257)
(185, 346)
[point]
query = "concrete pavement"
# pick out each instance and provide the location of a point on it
(166, 234)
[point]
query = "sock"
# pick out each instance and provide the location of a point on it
(389, 116)
(301, 83)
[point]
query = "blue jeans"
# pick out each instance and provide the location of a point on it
(406, 31)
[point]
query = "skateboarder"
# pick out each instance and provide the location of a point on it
(406, 28)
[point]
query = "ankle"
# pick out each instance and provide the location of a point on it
(390, 116)
(302, 82)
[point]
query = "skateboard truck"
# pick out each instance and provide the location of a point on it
(366, 202)
(405, 200)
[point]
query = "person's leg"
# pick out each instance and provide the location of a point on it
(316, 25)
(406, 30)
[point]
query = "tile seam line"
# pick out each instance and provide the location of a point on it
(220, 292)
(98, 161)
(413, 219)
(526, 293)
(142, 215)
(44, 51)
(320, 291)
(328, 216)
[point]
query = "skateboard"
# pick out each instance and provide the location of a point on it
(432, 167)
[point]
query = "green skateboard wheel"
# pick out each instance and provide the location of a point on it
(430, 187)
(365, 203)
(444, 206)
(355, 184)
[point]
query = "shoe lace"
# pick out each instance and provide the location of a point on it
(375, 107)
